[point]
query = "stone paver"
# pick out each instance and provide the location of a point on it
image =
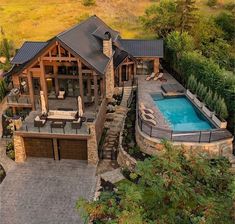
(113, 176)
(45, 191)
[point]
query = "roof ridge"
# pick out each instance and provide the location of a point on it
(76, 25)
(31, 41)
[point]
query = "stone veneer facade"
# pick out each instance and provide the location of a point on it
(109, 75)
(20, 155)
(153, 146)
(92, 146)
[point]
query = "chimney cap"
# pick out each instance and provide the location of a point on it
(107, 35)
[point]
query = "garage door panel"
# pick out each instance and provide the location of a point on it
(72, 149)
(38, 147)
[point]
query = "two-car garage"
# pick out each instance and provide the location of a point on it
(56, 148)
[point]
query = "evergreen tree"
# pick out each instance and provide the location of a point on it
(185, 11)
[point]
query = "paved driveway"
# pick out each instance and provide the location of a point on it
(45, 191)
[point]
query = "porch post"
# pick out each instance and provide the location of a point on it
(95, 89)
(31, 91)
(120, 74)
(43, 82)
(55, 70)
(126, 72)
(156, 65)
(89, 85)
(80, 81)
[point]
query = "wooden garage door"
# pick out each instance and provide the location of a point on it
(72, 149)
(39, 147)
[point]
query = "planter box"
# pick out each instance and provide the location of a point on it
(207, 111)
(190, 95)
(198, 102)
(221, 124)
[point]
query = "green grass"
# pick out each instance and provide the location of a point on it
(40, 20)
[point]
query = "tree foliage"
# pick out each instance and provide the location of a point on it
(171, 188)
(160, 19)
(185, 11)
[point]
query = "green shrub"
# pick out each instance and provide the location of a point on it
(209, 98)
(212, 3)
(88, 2)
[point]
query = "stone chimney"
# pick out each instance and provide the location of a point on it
(109, 76)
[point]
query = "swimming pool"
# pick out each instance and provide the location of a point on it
(181, 114)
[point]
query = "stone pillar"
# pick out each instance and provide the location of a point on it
(55, 148)
(43, 82)
(92, 145)
(109, 75)
(20, 155)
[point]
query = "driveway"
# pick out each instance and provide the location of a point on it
(45, 191)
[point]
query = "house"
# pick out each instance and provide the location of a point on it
(88, 60)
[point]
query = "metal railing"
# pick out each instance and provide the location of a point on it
(18, 99)
(183, 136)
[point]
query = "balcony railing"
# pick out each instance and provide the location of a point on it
(23, 100)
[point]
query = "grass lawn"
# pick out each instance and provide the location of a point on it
(40, 20)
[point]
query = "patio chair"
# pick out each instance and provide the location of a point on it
(149, 121)
(146, 110)
(147, 115)
(158, 77)
(38, 122)
(150, 76)
(77, 124)
(61, 95)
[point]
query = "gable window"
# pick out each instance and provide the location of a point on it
(49, 69)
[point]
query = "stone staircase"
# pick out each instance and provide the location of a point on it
(114, 127)
(126, 94)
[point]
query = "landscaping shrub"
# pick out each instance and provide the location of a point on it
(212, 3)
(10, 150)
(88, 2)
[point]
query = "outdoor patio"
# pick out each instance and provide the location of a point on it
(146, 88)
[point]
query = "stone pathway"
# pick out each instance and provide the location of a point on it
(113, 176)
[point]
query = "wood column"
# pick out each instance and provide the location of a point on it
(55, 70)
(43, 82)
(120, 74)
(89, 85)
(95, 89)
(31, 90)
(156, 65)
(55, 148)
(80, 81)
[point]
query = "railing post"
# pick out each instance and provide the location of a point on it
(141, 124)
(151, 131)
(171, 135)
(26, 128)
(200, 136)
(210, 136)
(39, 129)
(76, 131)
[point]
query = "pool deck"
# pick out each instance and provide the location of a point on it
(146, 88)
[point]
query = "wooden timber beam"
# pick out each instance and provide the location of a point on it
(95, 90)
(80, 81)
(31, 90)
(43, 83)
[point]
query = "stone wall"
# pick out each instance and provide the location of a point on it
(92, 145)
(20, 155)
(153, 146)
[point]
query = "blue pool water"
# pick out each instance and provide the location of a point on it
(182, 114)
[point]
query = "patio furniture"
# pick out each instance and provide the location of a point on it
(77, 124)
(62, 115)
(147, 115)
(88, 100)
(159, 77)
(150, 76)
(149, 121)
(61, 95)
(146, 110)
(39, 122)
(58, 124)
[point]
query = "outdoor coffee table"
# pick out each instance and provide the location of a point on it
(58, 124)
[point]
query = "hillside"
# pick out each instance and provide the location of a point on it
(40, 20)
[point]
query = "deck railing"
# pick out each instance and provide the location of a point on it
(183, 136)
(23, 99)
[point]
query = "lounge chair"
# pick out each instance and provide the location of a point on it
(147, 115)
(150, 76)
(146, 110)
(158, 77)
(149, 121)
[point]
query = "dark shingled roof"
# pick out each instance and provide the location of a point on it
(143, 48)
(82, 39)
(28, 50)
